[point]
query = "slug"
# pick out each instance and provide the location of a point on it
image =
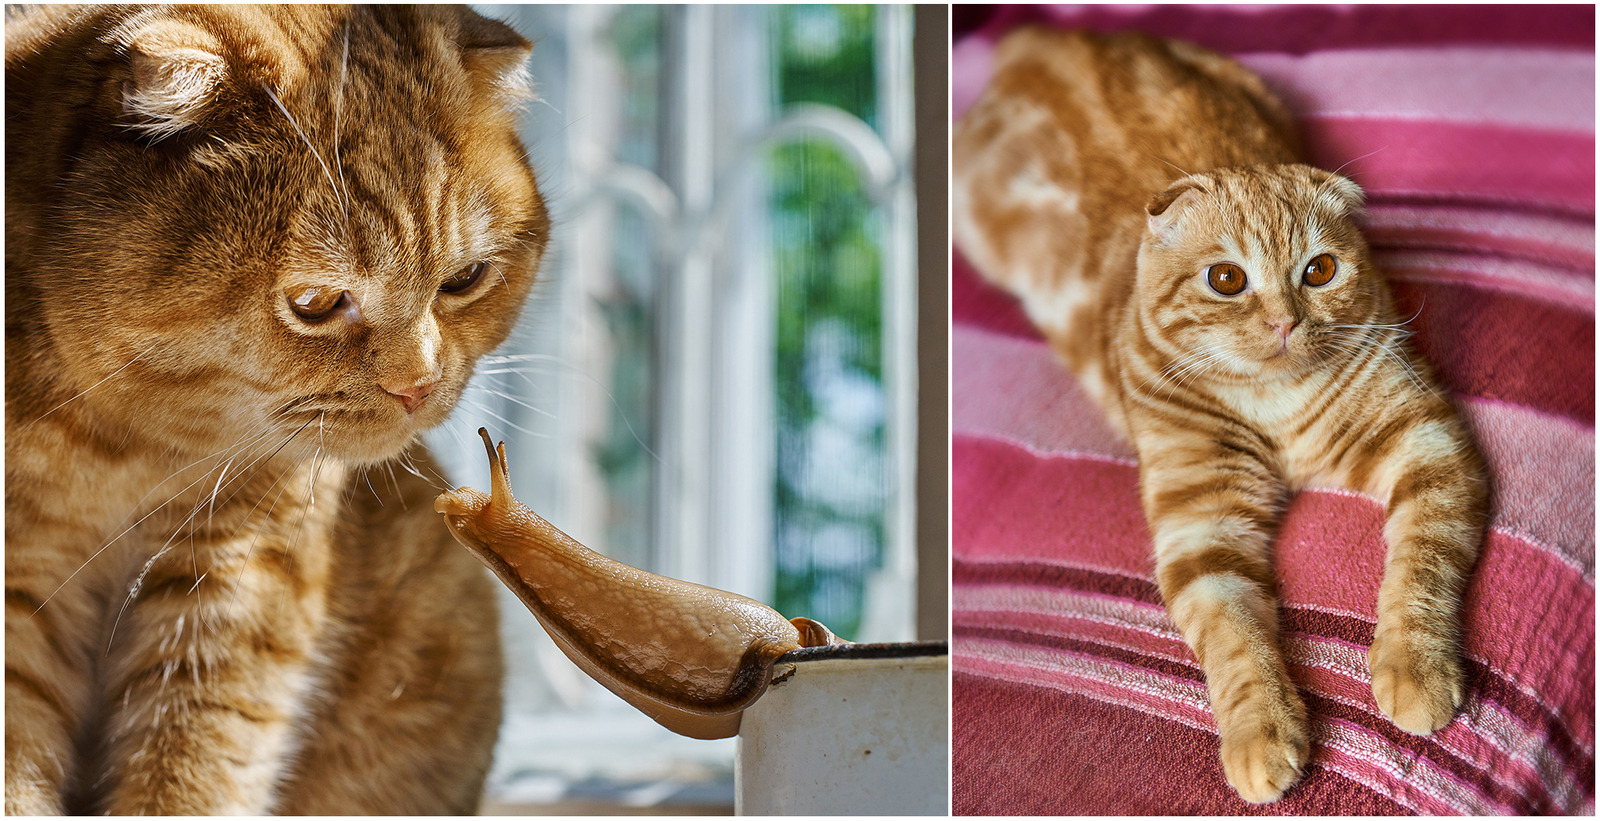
(689, 656)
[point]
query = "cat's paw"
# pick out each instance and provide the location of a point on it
(1416, 680)
(1262, 758)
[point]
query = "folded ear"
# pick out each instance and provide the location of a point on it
(1167, 208)
(496, 58)
(1340, 192)
(176, 70)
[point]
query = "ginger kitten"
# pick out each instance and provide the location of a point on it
(251, 253)
(1145, 200)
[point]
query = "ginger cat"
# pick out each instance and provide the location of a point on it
(251, 253)
(1144, 199)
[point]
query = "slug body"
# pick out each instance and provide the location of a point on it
(689, 656)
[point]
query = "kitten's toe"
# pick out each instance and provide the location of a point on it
(1264, 760)
(1417, 684)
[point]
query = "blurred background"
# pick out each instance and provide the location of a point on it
(732, 372)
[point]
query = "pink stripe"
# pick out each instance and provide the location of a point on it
(1566, 244)
(1016, 389)
(1124, 685)
(1521, 351)
(1078, 618)
(1014, 507)
(1180, 701)
(1485, 742)
(1013, 390)
(1543, 469)
(990, 519)
(1458, 162)
(1519, 88)
(1298, 29)
(1519, 278)
(1359, 756)
(1486, 735)
(1027, 750)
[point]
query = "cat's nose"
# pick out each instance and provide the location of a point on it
(411, 396)
(1284, 327)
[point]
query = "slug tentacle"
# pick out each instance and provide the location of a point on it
(689, 656)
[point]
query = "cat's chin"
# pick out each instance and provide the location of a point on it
(360, 441)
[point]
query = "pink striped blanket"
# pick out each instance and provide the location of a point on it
(1472, 130)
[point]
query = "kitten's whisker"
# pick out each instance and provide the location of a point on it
(503, 359)
(479, 406)
(1175, 166)
(506, 395)
(262, 460)
(138, 584)
(404, 462)
(136, 358)
(329, 174)
(395, 483)
(250, 551)
(114, 539)
(338, 111)
(232, 451)
(299, 525)
(366, 475)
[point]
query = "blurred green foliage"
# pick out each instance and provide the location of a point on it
(828, 268)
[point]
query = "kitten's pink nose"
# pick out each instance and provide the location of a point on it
(1284, 327)
(411, 396)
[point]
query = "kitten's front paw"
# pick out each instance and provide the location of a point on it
(1263, 758)
(1417, 682)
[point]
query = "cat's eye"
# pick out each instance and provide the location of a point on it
(1226, 278)
(1320, 270)
(316, 303)
(463, 279)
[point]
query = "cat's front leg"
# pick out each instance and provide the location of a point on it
(49, 660)
(210, 675)
(44, 694)
(1212, 506)
(1436, 510)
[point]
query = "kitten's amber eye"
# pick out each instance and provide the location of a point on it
(1320, 270)
(1226, 278)
(315, 303)
(464, 278)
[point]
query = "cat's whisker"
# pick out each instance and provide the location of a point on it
(366, 476)
(113, 540)
(1191, 366)
(405, 463)
(133, 592)
(479, 406)
(250, 551)
(262, 460)
(501, 274)
(136, 358)
(299, 525)
(230, 452)
(395, 484)
(329, 174)
(338, 111)
(506, 395)
(504, 359)
(1176, 167)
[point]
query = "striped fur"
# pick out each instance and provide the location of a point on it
(1100, 178)
(225, 590)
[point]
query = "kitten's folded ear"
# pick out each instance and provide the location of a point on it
(1166, 207)
(496, 57)
(176, 68)
(1339, 191)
